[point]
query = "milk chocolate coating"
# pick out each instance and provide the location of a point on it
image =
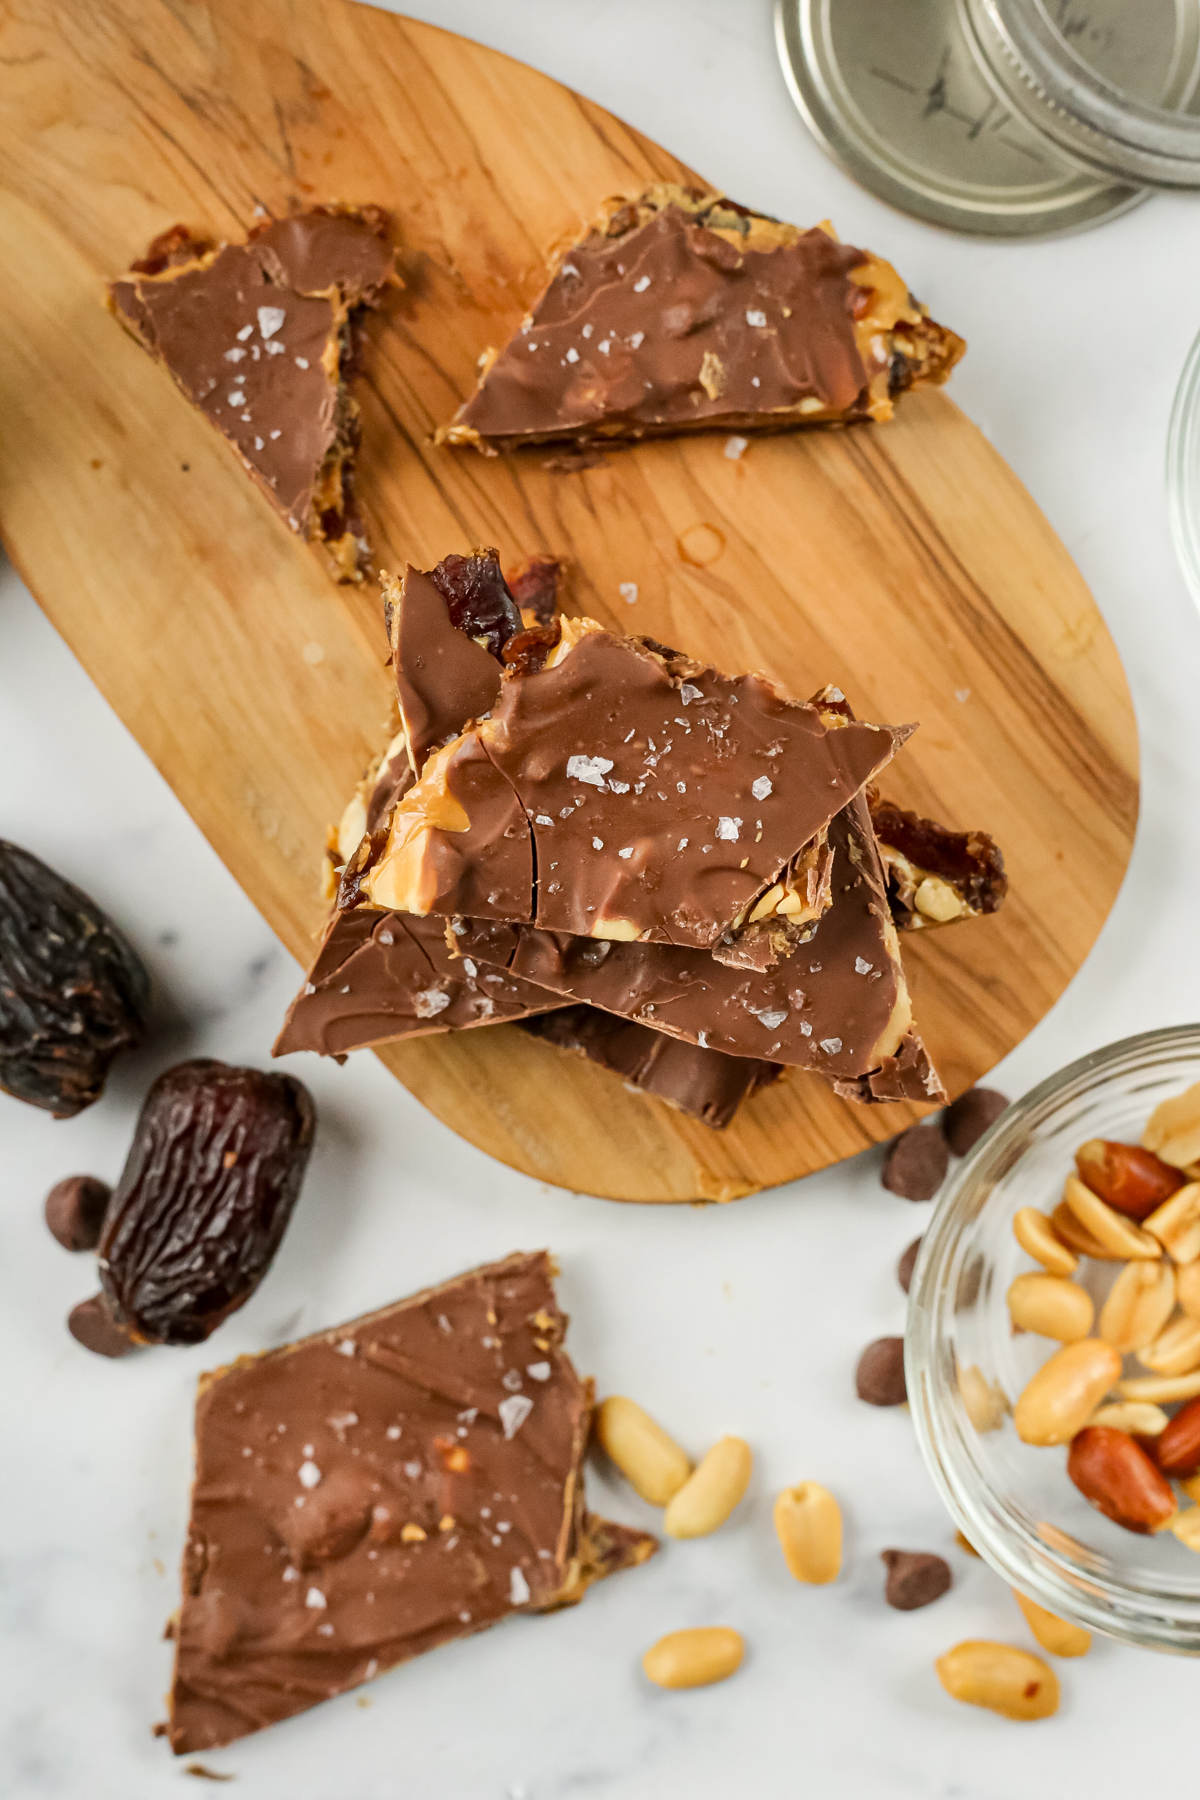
(385, 975)
(824, 1008)
(264, 380)
(443, 677)
(913, 847)
(379, 1489)
(637, 781)
(665, 326)
(702, 1083)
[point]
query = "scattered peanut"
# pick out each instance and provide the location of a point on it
(808, 1522)
(696, 1658)
(1052, 1306)
(1012, 1682)
(964, 1543)
(1064, 1393)
(1176, 1349)
(1129, 1178)
(986, 1402)
(1176, 1224)
(1186, 1527)
(1173, 1129)
(1082, 1242)
(1137, 1417)
(1038, 1238)
(651, 1461)
(1161, 1389)
(1177, 1451)
(1056, 1635)
(1187, 1289)
(711, 1491)
(1118, 1234)
(1190, 1485)
(1139, 1303)
(1113, 1472)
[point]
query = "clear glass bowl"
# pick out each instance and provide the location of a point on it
(1183, 471)
(1014, 1501)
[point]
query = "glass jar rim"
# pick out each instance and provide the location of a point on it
(1094, 122)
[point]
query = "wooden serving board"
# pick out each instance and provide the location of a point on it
(905, 563)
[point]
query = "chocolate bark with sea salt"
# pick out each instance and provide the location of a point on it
(259, 338)
(621, 791)
(683, 311)
(839, 1005)
(369, 1493)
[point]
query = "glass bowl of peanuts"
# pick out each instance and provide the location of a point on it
(1053, 1348)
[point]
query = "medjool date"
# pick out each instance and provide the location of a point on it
(204, 1198)
(73, 991)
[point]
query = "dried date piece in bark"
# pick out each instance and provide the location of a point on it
(682, 311)
(260, 337)
(73, 992)
(535, 585)
(204, 1198)
(414, 1476)
(75, 1211)
(935, 875)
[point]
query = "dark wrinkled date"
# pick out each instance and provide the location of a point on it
(477, 598)
(73, 992)
(204, 1198)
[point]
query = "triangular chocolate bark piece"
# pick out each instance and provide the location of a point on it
(258, 336)
(682, 311)
(374, 1491)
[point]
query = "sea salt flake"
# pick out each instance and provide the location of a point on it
(588, 769)
(512, 1381)
(244, 333)
(805, 1028)
(688, 693)
(831, 1046)
(543, 819)
(275, 348)
(513, 1413)
(772, 1020)
(539, 1371)
(727, 829)
(393, 1432)
(347, 1347)
(628, 592)
(683, 843)
(570, 269)
(862, 967)
(291, 1574)
(625, 854)
(735, 446)
(640, 286)
(754, 317)
(761, 787)
(702, 1039)
(237, 398)
(572, 355)
(274, 434)
(412, 1470)
(431, 1001)
(235, 355)
(636, 339)
(597, 843)
(325, 1630)
(962, 694)
(270, 318)
(301, 362)
(618, 787)
(309, 1474)
(518, 1588)
(444, 1323)
(604, 347)
(316, 1599)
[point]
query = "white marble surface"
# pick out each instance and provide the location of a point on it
(747, 1318)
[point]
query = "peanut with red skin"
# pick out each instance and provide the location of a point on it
(1132, 1180)
(1114, 1473)
(1177, 1450)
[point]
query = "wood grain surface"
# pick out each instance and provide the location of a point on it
(905, 563)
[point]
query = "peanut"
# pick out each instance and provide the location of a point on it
(1038, 1238)
(1006, 1680)
(964, 1543)
(1066, 1391)
(1186, 1527)
(1187, 1289)
(1191, 1486)
(696, 1658)
(1082, 1242)
(1129, 1178)
(1176, 1349)
(986, 1402)
(1173, 1129)
(1139, 1303)
(651, 1462)
(1113, 1472)
(1159, 1388)
(1056, 1635)
(1118, 1234)
(711, 1491)
(1176, 1223)
(808, 1522)
(1137, 1417)
(1051, 1306)
(1177, 1451)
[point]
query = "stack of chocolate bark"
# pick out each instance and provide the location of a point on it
(669, 869)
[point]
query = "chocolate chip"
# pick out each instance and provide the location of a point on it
(906, 1265)
(914, 1578)
(75, 1211)
(879, 1378)
(92, 1325)
(967, 1118)
(916, 1163)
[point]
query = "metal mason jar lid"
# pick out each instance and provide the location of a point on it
(903, 94)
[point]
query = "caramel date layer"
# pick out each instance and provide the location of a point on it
(258, 336)
(935, 875)
(682, 311)
(376, 1490)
